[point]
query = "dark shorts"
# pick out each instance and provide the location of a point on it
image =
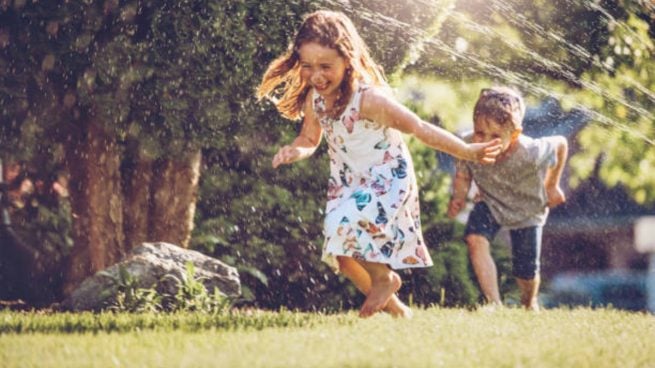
(526, 242)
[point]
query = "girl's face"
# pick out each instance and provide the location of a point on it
(322, 68)
(485, 130)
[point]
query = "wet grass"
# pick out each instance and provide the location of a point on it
(433, 338)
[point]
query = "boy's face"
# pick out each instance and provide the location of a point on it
(485, 130)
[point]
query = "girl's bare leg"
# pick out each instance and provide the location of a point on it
(362, 281)
(384, 284)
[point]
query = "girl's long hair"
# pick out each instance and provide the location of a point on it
(282, 82)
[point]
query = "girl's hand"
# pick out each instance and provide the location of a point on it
(455, 206)
(555, 196)
(286, 155)
(485, 153)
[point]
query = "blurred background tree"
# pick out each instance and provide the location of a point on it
(120, 95)
(125, 99)
(596, 56)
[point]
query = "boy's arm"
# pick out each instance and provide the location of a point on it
(554, 173)
(461, 187)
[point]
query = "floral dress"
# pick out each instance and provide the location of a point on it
(372, 212)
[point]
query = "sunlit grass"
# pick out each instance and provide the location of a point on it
(433, 338)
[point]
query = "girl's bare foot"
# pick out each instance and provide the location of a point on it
(381, 291)
(398, 309)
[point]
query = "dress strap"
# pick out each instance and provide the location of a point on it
(356, 101)
(318, 104)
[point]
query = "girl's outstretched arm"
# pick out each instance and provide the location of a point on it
(305, 143)
(379, 107)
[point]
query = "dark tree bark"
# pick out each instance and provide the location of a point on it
(174, 195)
(137, 189)
(160, 197)
(97, 203)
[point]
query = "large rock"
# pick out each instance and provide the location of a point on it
(152, 265)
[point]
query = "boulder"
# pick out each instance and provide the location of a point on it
(152, 265)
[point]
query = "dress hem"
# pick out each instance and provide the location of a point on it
(331, 260)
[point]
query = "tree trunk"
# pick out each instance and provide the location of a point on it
(137, 183)
(155, 201)
(94, 163)
(173, 202)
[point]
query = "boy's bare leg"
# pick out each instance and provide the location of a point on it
(384, 284)
(529, 291)
(356, 273)
(484, 267)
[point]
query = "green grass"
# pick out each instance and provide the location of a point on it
(433, 338)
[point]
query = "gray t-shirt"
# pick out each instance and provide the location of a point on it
(514, 188)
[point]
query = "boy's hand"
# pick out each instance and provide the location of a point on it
(485, 153)
(455, 206)
(555, 196)
(285, 155)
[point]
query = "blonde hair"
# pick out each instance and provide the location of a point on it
(329, 29)
(504, 105)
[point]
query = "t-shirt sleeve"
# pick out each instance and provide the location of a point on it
(546, 151)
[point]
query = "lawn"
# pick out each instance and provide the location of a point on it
(435, 337)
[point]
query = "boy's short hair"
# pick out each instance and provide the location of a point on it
(502, 104)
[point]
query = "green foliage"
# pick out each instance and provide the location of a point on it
(45, 223)
(191, 296)
(42, 221)
(132, 298)
(449, 283)
(594, 56)
(396, 32)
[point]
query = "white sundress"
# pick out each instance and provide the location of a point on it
(372, 211)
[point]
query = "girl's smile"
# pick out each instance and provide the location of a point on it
(322, 67)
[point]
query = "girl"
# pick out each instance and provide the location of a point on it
(372, 224)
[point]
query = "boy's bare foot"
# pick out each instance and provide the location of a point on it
(533, 306)
(490, 307)
(380, 294)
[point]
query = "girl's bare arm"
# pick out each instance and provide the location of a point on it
(305, 144)
(378, 107)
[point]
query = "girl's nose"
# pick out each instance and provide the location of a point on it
(317, 77)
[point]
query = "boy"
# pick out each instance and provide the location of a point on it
(514, 193)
